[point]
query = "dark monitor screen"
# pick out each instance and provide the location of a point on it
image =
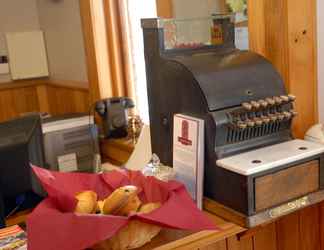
(21, 144)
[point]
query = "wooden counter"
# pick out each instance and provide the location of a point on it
(176, 239)
(116, 151)
(302, 230)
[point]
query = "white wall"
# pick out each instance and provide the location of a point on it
(61, 23)
(320, 53)
(13, 19)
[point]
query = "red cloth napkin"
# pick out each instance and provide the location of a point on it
(53, 225)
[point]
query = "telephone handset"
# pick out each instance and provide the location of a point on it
(114, 114)
(316, 134)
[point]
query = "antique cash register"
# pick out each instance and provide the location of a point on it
(255, 171)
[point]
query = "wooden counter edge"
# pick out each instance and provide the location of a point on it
(203, 238)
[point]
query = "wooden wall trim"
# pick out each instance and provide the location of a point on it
(37, 82)
(43, 97)
(164, 8)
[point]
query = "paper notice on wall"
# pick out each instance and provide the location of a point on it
(188, 154)
(67, 163)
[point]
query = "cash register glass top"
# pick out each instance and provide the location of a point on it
(196, 32)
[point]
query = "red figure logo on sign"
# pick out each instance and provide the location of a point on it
(184, 139)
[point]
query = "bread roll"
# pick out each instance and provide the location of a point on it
(132, 205)
(149, 207)
(119, 199)
(87, 202)
(100, 206)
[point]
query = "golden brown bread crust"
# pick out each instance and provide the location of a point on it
(149, 207)
(87, 202)
(100, 207)
(132, 205)
(119, 199)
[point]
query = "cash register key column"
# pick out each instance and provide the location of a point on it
(255, 104)
(291, 97)
(277, 100)
(280, 116)
(285, 98)
(263, 103)
(258, 121)
(247, 106)
(241, 125)
(270, 101)
(250, 123)
(293, 113)
(287, 115)
(273, 117)
(265, 119)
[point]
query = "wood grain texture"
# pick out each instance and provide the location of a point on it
(266, 238)
(309, 228)
(64, 101)
(221, 245)
(302, 61)
(274, 189)
(17, 101)
(287, 231)
(321, 224)
(41, 96)
(233, 243)
(256, 25)
(225, 212)
(285, 33)
(184, 240)
(116, 151)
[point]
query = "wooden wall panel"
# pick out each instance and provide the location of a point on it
(321, 225)
(64, 100)
(257, 26)
(41, 96)
(288, 232)
(309, 228)
(303, 61)
(285, 33)
(266, 238)
(16, 101)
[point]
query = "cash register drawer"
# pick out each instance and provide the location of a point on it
(285, 185)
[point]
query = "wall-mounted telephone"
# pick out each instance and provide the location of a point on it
(316, 134)
(114, 114)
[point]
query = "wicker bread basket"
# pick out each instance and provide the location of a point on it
(134, 235)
